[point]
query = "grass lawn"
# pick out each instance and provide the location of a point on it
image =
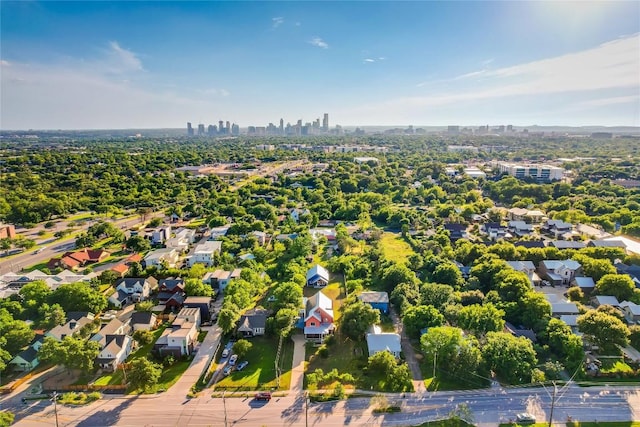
(201, 335)
(145, 350)
(615, 366)
(114, 378)
(345, 355)
(260, 374)
(437, 383)
(171, 374)
(395, 248)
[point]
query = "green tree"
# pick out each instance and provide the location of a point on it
(619, 285)
(78, 297)
(143, 374)
(512, 359)
(242, 347)
(51, 315)
(450, 352)
(14, 335)
(228, 317)
(634, 336)
(436, 295)
(138, 244)
(357, 317)
(285, 320)
(567, 345)
(288, 294)
(6, 418)
(72, 352)
(447, 273)
(397, 376)
(481, 319)
(195, 287)
(606, 331)
(419, 317)
(109, 277)
(143, 337)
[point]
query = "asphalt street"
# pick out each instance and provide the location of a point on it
(489, 408)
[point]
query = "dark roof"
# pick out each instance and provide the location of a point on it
(119, 339)
(171, 284)
(28, 355)
(567, 244)
(608, 244)
(494, 225)
(455, 227)
(178, 297)
(530, 244)
(130, 282)
(77, 315)
(142, 317)
(252, 319)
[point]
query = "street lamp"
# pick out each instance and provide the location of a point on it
(306, 409)
(224, 404)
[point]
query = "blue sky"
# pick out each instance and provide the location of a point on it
(78, 65)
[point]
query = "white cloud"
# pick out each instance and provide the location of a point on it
(277, 21)
(121, 60)
(369, 60)
(298, 24)
(318, 42)
(5, 63)
(216, 92)
(610, 101)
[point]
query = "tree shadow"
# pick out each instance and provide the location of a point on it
(295, 411)
(106, 417)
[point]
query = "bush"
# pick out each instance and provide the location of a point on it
(330, 340)
(323, 352)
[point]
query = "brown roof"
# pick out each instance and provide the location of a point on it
(120, 268)
(134, 258)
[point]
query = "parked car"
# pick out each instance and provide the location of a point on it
(271, 298)
(525, 418)
(225, 352)
(233, 359)
(242, 365)
(227, 370)
(263, 395)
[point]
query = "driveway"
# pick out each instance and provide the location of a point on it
(409, 353)
(297, 366)
(200, 362)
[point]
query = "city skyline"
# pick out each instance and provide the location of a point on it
(86, 65)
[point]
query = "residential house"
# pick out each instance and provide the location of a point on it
(632, 271)
(143, 321)
(296, 213)
(571, 320)
(530, 244)
(521, 332)
(78, 259)
(158, 236)
(132, 289)
(204, 253)
(120, 269)
(517, 214)
(328, 233)
(456, 231)
(221, 278)
(379, 300)
(202, 303)
(216, 232)
(253, 322)
(599, 300)
(520, 228)
(559, 272)
(261, 236)
(246, 257)
(114, 352)
(113, 327)
(557, 227)
(586, 284)
(528, 268)
(178, 340)
(182, 240)
(71, 327)
(317, 276)
(495, 231)
(607, 244)
(564, 308)
(175, 301)
(25, 361)
(631, 312)
(567, 244)
(378, 341)
(169, 287)
(189, 315)
(318, 317)
(161, 257)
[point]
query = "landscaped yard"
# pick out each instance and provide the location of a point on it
(345, 355)
(395, 248)
(260, 374)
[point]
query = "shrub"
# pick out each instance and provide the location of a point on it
(323, 352)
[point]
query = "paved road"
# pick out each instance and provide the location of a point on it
(57, 247)
(489, 407)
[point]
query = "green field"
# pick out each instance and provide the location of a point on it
(260, 374)
(395, 248)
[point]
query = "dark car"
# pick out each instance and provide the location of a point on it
(263, 395)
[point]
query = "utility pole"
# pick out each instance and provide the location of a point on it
(553, 403)
(435, 360)
(55, 405)
(224, 404)
(306, 409)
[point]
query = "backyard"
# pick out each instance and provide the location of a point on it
(395, 248)
(260, 374)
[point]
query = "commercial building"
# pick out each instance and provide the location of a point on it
(539, 172)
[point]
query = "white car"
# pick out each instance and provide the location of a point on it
(525, 418)
(227, 370)
(225, 352)
(242, 365)
(233, 359)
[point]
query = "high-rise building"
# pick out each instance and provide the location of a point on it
(189, 129)
(211, 130)
(220, 127)
(200, 129)
(228, 128)
(325, 122)
(235, 129)
(281, 126)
